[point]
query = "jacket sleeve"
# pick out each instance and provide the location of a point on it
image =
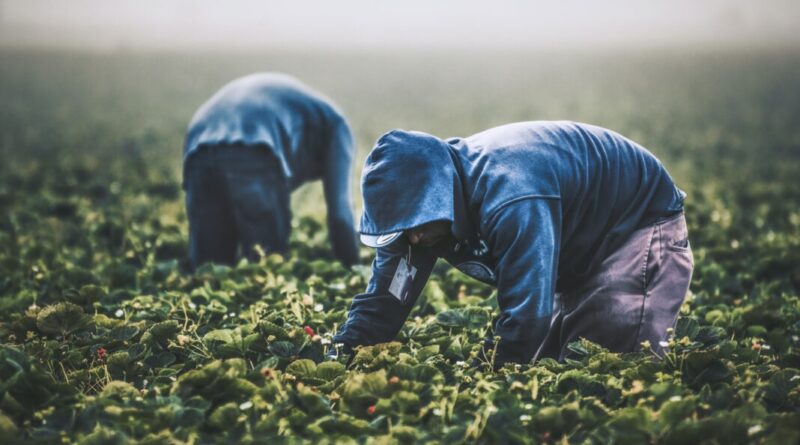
(525, 238)
(376, 315)
(336, 185)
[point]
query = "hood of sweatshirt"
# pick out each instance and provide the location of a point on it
(409, 179)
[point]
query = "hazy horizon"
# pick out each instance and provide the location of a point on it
(414, 24)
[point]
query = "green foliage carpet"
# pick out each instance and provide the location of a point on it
(106, 339)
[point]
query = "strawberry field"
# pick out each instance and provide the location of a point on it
(106, 338)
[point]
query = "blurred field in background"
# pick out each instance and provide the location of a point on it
(711, 117)
(83, 131)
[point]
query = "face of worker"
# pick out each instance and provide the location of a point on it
(429, 234)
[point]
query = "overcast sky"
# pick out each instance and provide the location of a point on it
(359, 24)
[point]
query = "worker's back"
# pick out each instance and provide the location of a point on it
(273, 110)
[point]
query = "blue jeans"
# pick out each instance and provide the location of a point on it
(237, 197)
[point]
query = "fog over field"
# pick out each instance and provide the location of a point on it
(369, 24)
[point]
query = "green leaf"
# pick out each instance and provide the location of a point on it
(161, 360)
(269, 328)
(346, 425)
(123, 333)
(224, 417)
(687, 327)
(631, 419)
(427, 352)
(362, 390)
(427, 374)
(91, 293)
(405, 402)
(778, 393)
(452, 318)
(673, 412)
(165, 330)
(61, 319)
(189, 417)
(136, 351)
(8, 430)
(313, 403)
(119, 390)
(282, 349)
(119, 359)
(330, 370)
(705, 366)
(303, 368)
(219, 335)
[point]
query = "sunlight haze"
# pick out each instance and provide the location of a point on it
(369, 24)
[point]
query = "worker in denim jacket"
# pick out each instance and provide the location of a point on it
(580, 229)
(247, 148)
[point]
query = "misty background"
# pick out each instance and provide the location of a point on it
(706, 85)
(411, 24)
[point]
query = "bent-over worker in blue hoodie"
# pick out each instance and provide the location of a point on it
(247, 148)
(580, 229)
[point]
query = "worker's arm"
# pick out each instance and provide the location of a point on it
(336, 185)
(377, 315)
(524, 237)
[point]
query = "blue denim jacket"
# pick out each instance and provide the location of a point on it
(303, 129)
(534, 207)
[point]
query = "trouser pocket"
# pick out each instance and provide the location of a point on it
(667, 289)
(635, 294)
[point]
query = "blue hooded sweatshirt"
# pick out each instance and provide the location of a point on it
(534, 208)
(303, 129)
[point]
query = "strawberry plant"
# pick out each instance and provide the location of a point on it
(105, 337)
